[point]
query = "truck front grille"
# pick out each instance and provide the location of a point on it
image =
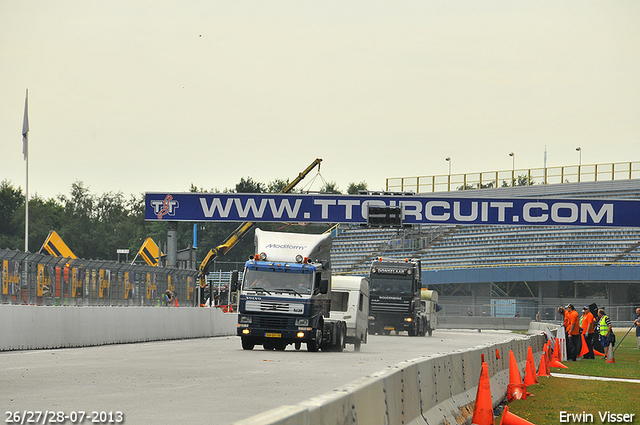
(273, 322)
(390, 306)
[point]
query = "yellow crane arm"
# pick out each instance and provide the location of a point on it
(243, 229)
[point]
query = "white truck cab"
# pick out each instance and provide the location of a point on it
(350, 303)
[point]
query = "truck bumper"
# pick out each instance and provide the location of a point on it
(288, 336)
(390, 322)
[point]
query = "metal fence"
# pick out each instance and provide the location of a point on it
(621, 315)
(37, 279)
(515, 177)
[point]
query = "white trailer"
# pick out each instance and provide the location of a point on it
(350, 303)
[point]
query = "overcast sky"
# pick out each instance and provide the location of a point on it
(137, 96)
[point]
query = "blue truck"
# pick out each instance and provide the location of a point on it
(285, 294)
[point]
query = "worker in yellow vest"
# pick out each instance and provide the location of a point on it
(606, 331)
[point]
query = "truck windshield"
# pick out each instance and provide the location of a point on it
(391, 285)
(270, 281)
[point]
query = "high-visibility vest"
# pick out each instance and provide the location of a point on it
(604, 329)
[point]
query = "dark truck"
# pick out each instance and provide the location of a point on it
(394, 302)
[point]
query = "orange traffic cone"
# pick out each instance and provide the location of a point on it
(555, 360)
(556, 350)
(509, 418)
(497, 354)
(585, 349)
(483, 410)
(556, 363)
(516, 390)
(543, 368)
(598, 353)
(610, 358)
(530, 377)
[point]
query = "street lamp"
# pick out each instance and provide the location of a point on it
(579, 149)
(513, 168)
(448, 159)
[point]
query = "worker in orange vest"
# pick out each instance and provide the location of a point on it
(573, 333)
(586, 324)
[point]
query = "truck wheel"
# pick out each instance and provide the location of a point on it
(340, 338)
(314, 345)
(279, 346)
(268, 345)
(297, 345)
(412, 331)
(247, 344)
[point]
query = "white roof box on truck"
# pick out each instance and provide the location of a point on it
(285, 247)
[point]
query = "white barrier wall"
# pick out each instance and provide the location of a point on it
(439, 389)
(31, 327)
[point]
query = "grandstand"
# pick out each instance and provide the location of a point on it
(456, 246)
(447, 248)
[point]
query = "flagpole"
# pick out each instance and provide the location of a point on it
(26, 207)
(25, 152)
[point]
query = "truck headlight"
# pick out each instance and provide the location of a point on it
(302, 322)
(372, 317)
(244, 319)
(408, 319)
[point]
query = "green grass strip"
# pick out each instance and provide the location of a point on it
(556, 399)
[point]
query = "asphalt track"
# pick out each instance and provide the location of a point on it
(208, 380)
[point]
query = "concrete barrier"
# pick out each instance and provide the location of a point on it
(480, 322)
(34, 327)
(433, 390)
(539, 327)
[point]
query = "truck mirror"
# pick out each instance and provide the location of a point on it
(324, 286)
(234, 281)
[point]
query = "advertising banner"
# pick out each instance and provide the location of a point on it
(416, 209)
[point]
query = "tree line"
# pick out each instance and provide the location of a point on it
(96, 226)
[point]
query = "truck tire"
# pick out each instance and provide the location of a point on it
(340, 338)
(247, 344)
(357, 345)
(314, 345)
(412, 331)
(297, 345)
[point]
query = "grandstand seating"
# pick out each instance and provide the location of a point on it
(447, 246)
(463, 246)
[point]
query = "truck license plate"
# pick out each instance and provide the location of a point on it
(389, 328)
(272, 335)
